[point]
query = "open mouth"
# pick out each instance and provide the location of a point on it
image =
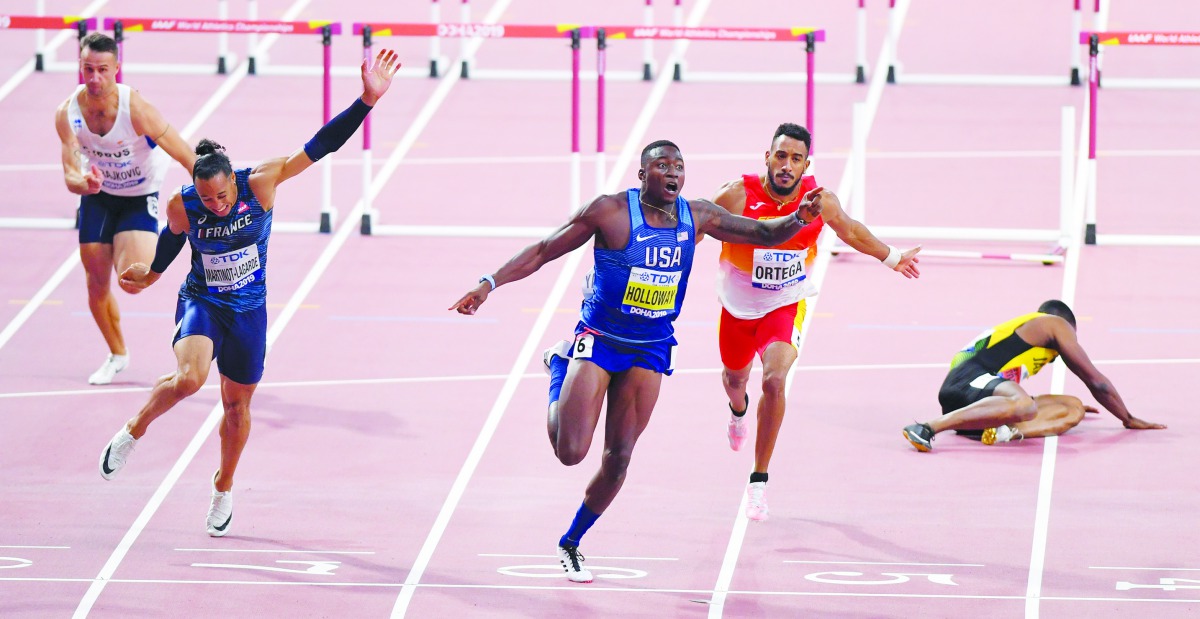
(672, 187)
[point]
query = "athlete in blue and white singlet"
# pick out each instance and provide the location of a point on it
(644, 242)
(225, 215)
(114, 147)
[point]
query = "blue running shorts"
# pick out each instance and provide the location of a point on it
(239, 338)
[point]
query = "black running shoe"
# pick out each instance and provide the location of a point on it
(920, 435)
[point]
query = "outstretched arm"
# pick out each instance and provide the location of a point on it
(1066, 343)
(722, 225)
(853, 233)
(376, 79)
(147, 121)
(570, 236)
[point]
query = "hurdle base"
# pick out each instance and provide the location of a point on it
(860, 75)
(891, 74)
(465, 72)
(678, 73)
(252, 65)
(39, 62)
(1075, 81)
(221, 70)
(433, 68)
(1089, 234)
(327, 218)
(365, 228)
(647, 72)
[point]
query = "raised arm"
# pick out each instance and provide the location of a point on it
(147, 121)
(856, 235)
(1067, 345)
(78, 180)
(720, 224)
(582, 226)
(376, 78)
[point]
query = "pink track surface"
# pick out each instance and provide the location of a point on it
(387, 449)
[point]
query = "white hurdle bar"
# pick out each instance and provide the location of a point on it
(1058, 236)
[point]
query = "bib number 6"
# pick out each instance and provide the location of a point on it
(583, 346)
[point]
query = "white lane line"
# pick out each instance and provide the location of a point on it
(37, 547)
(590, 557)
(1152, 569)
(860, 367)
(272, 551)
(737, 535)
(528, 350)
(886, 563)
(1041, 518)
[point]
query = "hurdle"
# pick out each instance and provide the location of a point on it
(122, 25)
(1072, 78)
(1095, 41)
(369, 30)
(1060, 236)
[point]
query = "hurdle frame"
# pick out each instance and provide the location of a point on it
(1095, 41)
(326, 29)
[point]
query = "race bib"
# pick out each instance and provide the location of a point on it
(776, 269)
(582, 348)
(651, 293)
(232, 270)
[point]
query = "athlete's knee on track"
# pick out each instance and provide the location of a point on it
(1023, 407)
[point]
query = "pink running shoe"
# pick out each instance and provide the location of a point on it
(756, 502)
(737, 427)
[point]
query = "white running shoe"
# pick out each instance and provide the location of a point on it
(113, 458)
(737, 432)
(220, 513)
(558, 349)
(112, 365)
(572, 561)
(756, 502)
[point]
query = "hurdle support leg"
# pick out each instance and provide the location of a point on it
(601, 61)
(435, 44)
(647, 46)
(1089, 236)
(860, 51)
(222, 38)
(891, 42)
(365, 226)
(252, 41)
(327, 211)
(39, 57)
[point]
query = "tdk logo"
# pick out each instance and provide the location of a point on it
(229, 258)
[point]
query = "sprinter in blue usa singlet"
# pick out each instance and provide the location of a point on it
(644, 239)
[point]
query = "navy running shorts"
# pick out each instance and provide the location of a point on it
(102, 216)
(967, 384)
(239, 338)
(615, 356)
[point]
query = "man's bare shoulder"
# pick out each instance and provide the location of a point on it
(730, 196)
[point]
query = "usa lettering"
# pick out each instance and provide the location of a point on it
(665, 257)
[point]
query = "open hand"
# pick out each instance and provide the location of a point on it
(377, 77)
(908, 263)
(1139, 424)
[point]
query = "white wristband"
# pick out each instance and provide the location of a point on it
(490, 280)
(893, 258)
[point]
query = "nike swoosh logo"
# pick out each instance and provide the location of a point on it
(222, 527)
(104, 465)
(640, 238)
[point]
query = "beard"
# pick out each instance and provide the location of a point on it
(781, 190)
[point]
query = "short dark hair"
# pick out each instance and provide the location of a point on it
(794, 131)
(1058, 308)
(657, 144)
(212, 161)
(98, 42)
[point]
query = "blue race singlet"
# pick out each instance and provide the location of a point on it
(634, 294)
(229, 254)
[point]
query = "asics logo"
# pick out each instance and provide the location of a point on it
(758, 206)
(202, 219)
(641, 238)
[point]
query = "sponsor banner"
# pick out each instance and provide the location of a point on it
(466, 31)
(236, 26)
(1143, 38)
(712, 33)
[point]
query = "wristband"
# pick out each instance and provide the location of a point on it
(489, 279)
(893, 258)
